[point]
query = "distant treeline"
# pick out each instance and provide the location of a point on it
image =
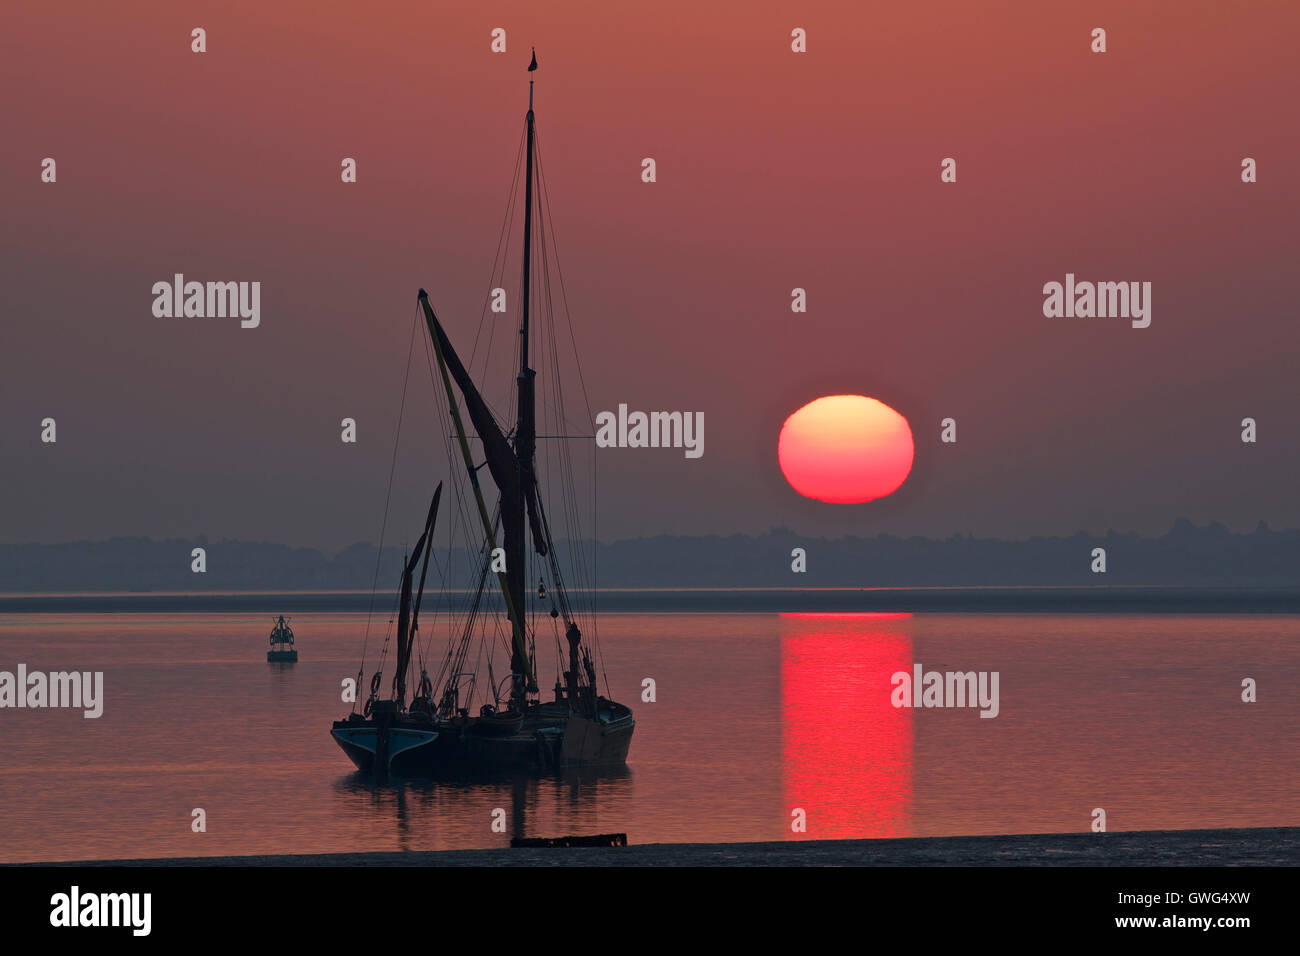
(1186, 556)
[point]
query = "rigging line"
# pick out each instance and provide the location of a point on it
(496, 621)
(455, 469)
(457, 617)
(569, 496)
(497, 276)
(502, 243)
(472, 620)
(442, 574)
(462, 531)
(392, 470)
(388, 633)
(594, 545)
(437, 566)
(506, 227)
(455, 660)
(571, 512)
(564, 297)
(556, 404)
(572, 520)
(566, 476)
(565, 480)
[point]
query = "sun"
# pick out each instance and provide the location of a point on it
(845, 449)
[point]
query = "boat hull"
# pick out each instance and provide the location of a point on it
(392, 749)
(460, 746)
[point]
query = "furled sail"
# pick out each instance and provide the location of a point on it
(404, 620)
(424, 572)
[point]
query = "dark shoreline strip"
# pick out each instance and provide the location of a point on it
(1111, 600)
(1279, 846)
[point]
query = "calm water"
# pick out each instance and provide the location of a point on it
(756, 714)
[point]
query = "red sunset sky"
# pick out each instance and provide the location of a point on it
(775, 171)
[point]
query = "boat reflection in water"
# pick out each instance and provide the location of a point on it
(847, 751)
(431, 814)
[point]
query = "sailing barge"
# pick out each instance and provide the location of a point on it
(436, 732)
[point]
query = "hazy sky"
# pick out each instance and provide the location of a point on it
(775, 170)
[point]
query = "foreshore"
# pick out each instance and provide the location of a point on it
(1276, 846)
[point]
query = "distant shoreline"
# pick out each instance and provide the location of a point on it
(1278, 846)
(1186, 556)
(1037, 599)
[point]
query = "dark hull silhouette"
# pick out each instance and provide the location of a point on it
(546, 737)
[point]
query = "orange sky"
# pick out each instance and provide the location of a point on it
(775, 171)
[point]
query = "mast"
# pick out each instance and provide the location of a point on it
(528, 242)
(526, 422)
(403, 625)
(526, 432)
(512, 468)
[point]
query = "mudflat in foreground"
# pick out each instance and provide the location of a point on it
(1278, 846)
